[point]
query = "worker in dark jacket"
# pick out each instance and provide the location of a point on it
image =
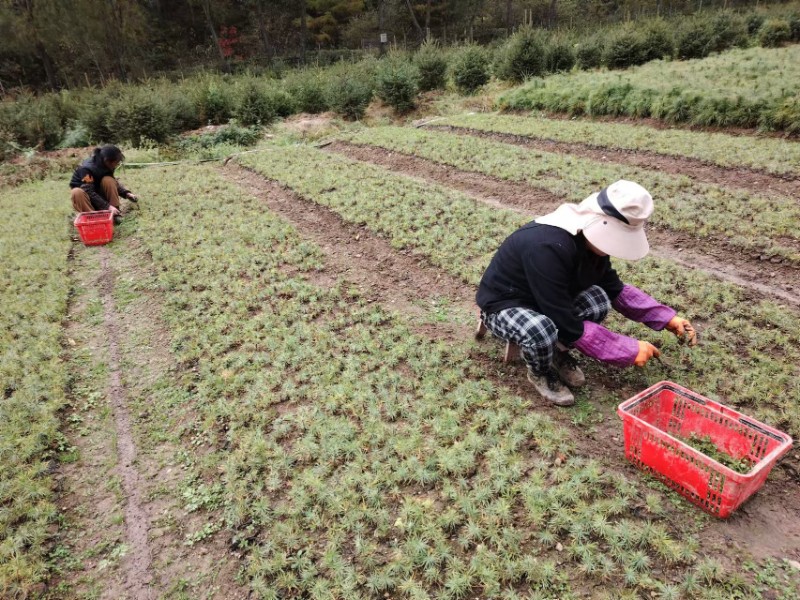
(551, 284)
(94, 186)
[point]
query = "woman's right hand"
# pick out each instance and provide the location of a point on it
(646, 352)
(114, 210)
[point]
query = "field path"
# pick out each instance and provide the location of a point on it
(137, 565)
(744, 178)
(126, 525)
(712, 256)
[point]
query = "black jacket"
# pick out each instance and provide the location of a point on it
(543, 268)
(89, 175)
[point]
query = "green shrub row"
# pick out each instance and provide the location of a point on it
(674, 106)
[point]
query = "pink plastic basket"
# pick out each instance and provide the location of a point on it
(651, 418)
(95, 228)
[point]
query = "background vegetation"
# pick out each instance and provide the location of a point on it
(750, 87)
(54, 44)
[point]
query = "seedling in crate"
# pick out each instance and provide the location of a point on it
(706, 445)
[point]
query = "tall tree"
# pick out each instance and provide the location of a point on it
(208, 13)
(414, 20)
(303, 28)
(29, 30)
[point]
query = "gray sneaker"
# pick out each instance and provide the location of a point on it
(567, 368)
(551, 388)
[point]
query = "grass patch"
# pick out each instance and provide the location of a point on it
(753, 87)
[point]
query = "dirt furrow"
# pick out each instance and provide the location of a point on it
(91, 538)
(399, 280)
(397, 277)
(137, 564)
(714, 256)
(744, 178)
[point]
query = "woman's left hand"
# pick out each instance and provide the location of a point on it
(683, 330)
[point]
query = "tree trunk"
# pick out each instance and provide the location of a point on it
(508, 16)
(414, 20)
(444, 22)
(303, 30)
(41, 51)
(210, 22)
(47, 63)
(262, 29)
(381, 23)
(428, 20)
(553, 16)
(114, 35)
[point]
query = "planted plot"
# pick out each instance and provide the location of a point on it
(359, 459)
(750, 87)
(755, 224)
(432, 220)
(739, 360)
(772, 155)
(33, 293)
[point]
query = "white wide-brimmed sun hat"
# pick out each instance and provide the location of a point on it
(612, 220)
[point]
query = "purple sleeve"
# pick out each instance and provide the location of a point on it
(634, 304)
(602, 344)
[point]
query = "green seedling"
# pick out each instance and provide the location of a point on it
(706, 446)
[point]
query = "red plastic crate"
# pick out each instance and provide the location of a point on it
(95, 228)
(652, 416)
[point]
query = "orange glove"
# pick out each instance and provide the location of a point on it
(683, 330)
(646, 352)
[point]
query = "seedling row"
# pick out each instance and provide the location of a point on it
(754, 224)
(413, 214)
(773, 155)
(360, 459)
(751, 87)
(34, 285)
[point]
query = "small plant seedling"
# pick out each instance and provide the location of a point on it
(706, 445)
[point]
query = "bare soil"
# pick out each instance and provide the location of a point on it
(399, 280)
(21, 169)
(308, 125)
(713, 255)
(753, 180)
(207, 568)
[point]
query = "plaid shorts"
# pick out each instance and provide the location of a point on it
(536, 334)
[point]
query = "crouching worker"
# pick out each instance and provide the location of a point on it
(550, 285)
(94, 186)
